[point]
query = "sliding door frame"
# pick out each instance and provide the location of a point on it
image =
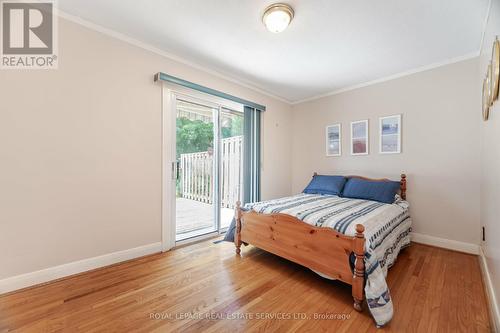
(170, 94)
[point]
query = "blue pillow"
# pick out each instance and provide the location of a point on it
(332, 185)
(380, 191)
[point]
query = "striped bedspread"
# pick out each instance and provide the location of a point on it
(387, 229)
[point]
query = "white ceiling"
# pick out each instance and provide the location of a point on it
(330, 44)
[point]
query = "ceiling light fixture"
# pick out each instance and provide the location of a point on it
(277, 17)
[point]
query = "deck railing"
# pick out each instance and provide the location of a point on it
(196, 170)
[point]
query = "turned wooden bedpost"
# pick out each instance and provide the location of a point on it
(237, 231)
(403, 186)
(359, 268)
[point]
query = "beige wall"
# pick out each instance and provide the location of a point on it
(440, 144)
(490, 159)
(80, 151)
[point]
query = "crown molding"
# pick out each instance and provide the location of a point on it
(252, 85)
(392, 77)
(485, 24)
(122, 37)
(411, 71)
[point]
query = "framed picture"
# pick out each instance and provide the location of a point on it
(390, 134)
(334, 140)
(359, 137)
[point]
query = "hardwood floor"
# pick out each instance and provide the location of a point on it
(433, 290)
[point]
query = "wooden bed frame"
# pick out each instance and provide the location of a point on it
(321, 249)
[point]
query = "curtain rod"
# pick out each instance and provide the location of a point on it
(172, 79)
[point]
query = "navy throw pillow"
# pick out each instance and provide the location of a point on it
(320, 184)
(371, 190)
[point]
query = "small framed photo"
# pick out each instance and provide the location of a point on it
(359, 137)
(390, 134)
(334, 140)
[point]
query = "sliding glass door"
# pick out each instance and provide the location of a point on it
(208, 168)
(195, 164)
(231, 164)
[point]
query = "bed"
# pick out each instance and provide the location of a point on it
(352, 240)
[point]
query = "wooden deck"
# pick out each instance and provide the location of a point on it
(194, 215)
(433, 290)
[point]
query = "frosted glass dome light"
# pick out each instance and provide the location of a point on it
(277, 17)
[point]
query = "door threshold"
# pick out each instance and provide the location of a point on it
(196, 239)
(195, 233)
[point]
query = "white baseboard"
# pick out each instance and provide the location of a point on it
(57, 272)
(445, 243)
(490, 292)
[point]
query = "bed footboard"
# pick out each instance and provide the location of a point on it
(321, 249)
(237, 232)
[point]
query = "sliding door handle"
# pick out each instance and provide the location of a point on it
(176, 166)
